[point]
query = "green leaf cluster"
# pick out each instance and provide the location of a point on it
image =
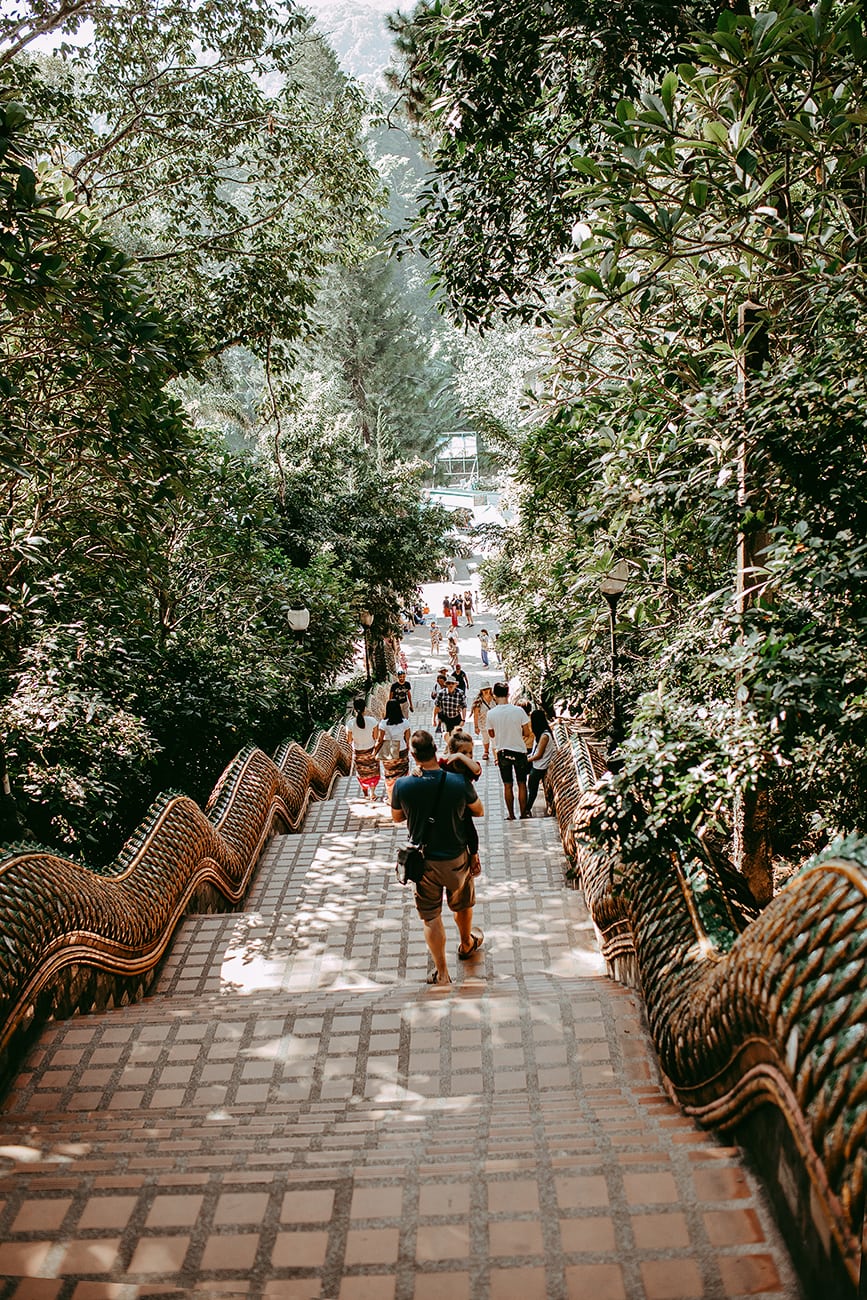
(173, 186)
(706, 383)
(508, 95)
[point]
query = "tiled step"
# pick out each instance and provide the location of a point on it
(295, 1115)
(628, 1201)
(337, 1048)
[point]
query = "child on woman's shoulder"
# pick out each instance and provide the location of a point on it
(458, 758)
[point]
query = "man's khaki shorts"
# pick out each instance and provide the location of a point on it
(453, 876)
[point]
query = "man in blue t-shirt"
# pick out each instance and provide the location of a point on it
(447, 797)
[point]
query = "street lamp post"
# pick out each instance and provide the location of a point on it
(9, 827)
(298, 617)
(366, 619)
(612, 587)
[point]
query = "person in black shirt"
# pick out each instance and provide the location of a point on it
(402, 692)
(447, 860)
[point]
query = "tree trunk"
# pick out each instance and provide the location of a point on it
(752, 839)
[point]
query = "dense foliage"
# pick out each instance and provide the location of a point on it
(702, 419)
(172, 190)
(507, 94)
(221, 146)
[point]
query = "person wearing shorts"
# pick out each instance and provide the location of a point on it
(508, 727)
(451, 706)
(402, 692)
(447, 861)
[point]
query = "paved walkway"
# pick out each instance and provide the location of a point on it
(295, 1114)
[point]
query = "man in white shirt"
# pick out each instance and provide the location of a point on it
(509, 729)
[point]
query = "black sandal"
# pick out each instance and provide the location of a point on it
(478, 939)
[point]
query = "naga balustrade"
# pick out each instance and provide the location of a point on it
(73, 939)
(748, 1009)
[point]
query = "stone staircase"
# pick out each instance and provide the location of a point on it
(295, 1114)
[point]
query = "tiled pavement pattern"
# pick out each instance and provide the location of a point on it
(296, 1115)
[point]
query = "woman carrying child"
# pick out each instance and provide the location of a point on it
(458, 758)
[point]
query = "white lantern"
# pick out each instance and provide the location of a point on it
(299, 619)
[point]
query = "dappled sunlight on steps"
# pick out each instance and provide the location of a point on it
(295, 1113)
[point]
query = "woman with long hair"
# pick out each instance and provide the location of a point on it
(392, 744)
(479, 711)
(540, 757)
(362, 737)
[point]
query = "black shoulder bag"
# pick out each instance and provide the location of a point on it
(409, 868)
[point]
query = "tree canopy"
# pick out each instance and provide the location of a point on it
(175, 184)
(699, 415)
(221, 145)
(506, 94)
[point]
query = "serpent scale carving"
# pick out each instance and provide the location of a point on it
(746, 1008)
(76, 939)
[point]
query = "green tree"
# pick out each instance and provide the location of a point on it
(696, 454)
(220, 144)
(86, 357)
(163, 648)
(362, 505)
(190, 202)
(394, 389)
(507, 94)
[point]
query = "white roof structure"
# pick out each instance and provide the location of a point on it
(458, 446)
(457, 460)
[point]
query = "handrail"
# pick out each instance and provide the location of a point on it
(73, 939)
(746, 1008)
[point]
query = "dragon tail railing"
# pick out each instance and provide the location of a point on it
(759, 1018)
(75, 939)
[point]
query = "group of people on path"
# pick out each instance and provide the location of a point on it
(520, 737)
(486, 646)
(380, 746)
(457, 604)
(439, 801)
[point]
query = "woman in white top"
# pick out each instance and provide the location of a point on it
(540, 758)
(392, 744)
(363, 739)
